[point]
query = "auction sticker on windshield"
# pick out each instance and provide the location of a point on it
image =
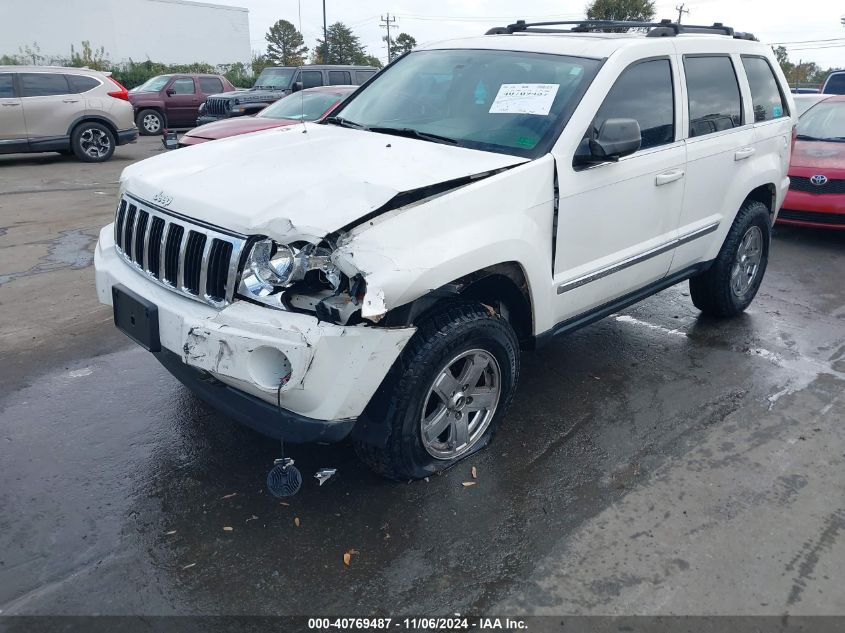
(524, 99)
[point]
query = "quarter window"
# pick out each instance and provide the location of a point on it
(339, 78)
(211, 85)
(7, 86)
(81, 83)
(312, 78)
(184, 86)
(43, 84)
(713, 93)
(766, 97)
(643, 92)
(363, 75)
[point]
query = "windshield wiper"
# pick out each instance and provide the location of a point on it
(835, 139)
(412, 133)
(339, 120)
(807, 137)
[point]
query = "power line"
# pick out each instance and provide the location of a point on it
(388, 22)
(680, 9)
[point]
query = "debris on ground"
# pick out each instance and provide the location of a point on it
(474, 473)
(170, 533)
(228, 528)
(252, 518)
(467, 484)
(324, 474)
(229, 496)
(189, 566)
(296, 521)
(347, 556)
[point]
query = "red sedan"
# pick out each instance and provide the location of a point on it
(816, 196)
(307, 105)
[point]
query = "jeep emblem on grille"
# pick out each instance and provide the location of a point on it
(164, 200)
(818, 180)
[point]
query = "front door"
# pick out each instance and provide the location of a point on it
(182, 102)
(617, 223)
(12, 122)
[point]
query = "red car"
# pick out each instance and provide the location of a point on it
(816, 196)
(307, 105)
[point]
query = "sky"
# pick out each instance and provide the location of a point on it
(800, 23)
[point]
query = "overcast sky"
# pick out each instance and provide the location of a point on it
(770, 20)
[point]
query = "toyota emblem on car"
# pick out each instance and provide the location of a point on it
(818, 180)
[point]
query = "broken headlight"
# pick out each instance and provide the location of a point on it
(271, 269)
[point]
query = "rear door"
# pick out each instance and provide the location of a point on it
(12, 122)
(182, 102)
(50, 107)
(209, 86)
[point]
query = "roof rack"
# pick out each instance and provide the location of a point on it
(664, 28)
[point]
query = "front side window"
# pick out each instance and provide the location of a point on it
(7, 86)
(301, 106)
(499, 101)
(766, 97)
(311, 78)
(713, 92)
(43, 84)
(184, 86)
(643, 92)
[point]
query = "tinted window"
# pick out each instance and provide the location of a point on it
(643, 92)
(80, 83)
(7, 86)
(211, 85)
(43, 84)
(713, 93)
(340, 78)
(311, 78)
(362, 75)
(835, 85)
(766, 98)
(183, 86)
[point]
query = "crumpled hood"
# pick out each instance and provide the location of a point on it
(300, 180)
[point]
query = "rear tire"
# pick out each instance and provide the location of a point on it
(150, 122)
(92, 142)
(446, 394)
(729, 286)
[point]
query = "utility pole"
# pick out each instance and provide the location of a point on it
(325, 36)
(387, 22)
(680, 9)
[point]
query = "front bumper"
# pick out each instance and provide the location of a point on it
(333, 370)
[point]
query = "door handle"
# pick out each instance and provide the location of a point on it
(669, 176)
(70, 101)
(745, 152)
(10, 105)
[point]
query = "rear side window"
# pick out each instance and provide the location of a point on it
(339, 78)
(835, 85)
(312, 78)
(81, 83)
(210, 85)
(713, 92)
(362, 75)
(766, 97)
(43, 84)
(7, 86)
(184, 86)
(643, 92)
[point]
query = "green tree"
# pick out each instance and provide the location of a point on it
(372, 60)
(636, 10)
(344, 47)
(403, 43)
(285, 45)
(88, 57)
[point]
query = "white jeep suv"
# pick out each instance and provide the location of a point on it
(377, 274)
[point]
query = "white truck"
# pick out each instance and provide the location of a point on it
(377, 274)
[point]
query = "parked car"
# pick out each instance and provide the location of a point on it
(65, 110)
(274, 83)
(173, 100)
(310, 104)
(816, 195)
(804, 102)
(834, 83)
(478, 196)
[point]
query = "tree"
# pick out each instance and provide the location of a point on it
(403, 43)
(93, 58)
(781, 55)
(636, 10)
(285, 45)
(344, 47)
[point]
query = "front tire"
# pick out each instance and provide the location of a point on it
(729, 286)
(450, 388)
(92, 142)
(150, 122)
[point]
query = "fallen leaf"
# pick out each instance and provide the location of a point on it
(227, 528)
(170, 533)
(467, 484)
(296, 521)
(234, 494)
(347, 557)
(474, 473)
(189, 566)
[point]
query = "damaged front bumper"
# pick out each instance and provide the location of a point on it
(285, 374)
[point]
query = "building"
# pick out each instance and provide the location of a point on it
(167, 31)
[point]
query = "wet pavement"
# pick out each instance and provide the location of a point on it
(655, 462)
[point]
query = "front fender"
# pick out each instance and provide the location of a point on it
(405, 253)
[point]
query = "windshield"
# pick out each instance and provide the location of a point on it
(501, 101)
(305, 106)
(825, 121)
(153, 85)
(274, 78)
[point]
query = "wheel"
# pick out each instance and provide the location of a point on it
(149, 122)
(92, 142)
(730, 284)
(447, 393)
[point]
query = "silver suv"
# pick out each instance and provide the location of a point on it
(50, 109)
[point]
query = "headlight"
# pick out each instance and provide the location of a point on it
(237, 101)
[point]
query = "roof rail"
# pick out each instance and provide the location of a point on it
(664, 28)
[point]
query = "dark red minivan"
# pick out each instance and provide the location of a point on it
(173, 100)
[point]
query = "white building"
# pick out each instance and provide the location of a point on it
(167, 31)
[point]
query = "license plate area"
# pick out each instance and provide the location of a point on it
(136, 317)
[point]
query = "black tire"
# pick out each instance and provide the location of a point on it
(713, 292)
(150, 122)
(448, 332)
(92, 142)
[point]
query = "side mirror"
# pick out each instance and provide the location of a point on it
(297, 86)
(170, 92)
(616, 138)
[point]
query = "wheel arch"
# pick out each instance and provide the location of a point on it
(766, 194)
(92, 118)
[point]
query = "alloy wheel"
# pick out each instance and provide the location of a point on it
(95, 143)
(747, 261)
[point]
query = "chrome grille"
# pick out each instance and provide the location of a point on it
(194, 260)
